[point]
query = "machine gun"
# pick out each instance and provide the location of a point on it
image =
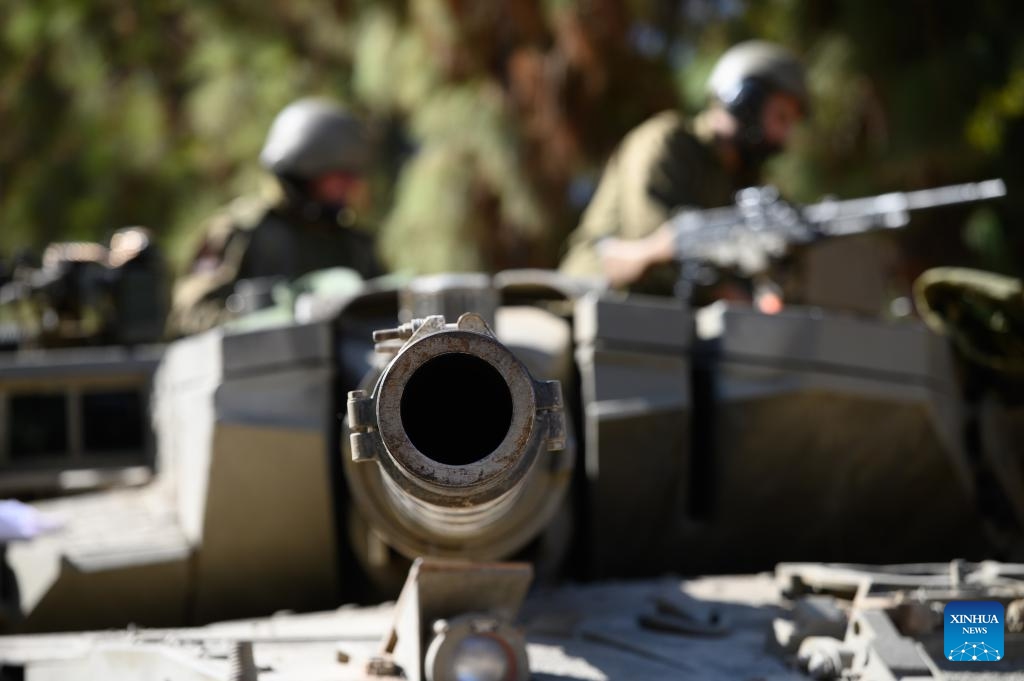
(761, 224)
(87, 293)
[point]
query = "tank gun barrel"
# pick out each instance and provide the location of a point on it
(468, 446)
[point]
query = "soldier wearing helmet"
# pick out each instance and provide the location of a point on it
(319, 155)
(757, 93)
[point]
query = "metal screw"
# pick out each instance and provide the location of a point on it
(387, 334)
(241, 664)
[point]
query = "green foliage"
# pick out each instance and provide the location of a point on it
(987, 126)
(118, 112)
(135, 113)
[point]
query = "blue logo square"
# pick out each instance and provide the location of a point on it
(973, 631)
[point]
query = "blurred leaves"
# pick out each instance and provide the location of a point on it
(133, 113)
(986, 128)
(983, 233)
(117, 112)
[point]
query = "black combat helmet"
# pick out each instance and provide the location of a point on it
(315, 136)
(743, 79)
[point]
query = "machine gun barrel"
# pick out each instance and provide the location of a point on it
(836, 218)
(761, 223)
(458, 451)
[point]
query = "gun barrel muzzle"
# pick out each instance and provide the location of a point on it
(462, 437)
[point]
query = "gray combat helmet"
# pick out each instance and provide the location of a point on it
(757, 64)
(315, 136)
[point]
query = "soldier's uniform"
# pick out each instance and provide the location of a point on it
(661, 166)
(290, 231)
(262, 237)
(666, 164)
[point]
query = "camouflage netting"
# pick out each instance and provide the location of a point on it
(983, 313)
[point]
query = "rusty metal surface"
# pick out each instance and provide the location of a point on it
(892, 617)
(573, 632)
(484, 503)
(444, 600)
(489, 473)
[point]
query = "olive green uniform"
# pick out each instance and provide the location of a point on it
(660, 167)
(256, 238)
